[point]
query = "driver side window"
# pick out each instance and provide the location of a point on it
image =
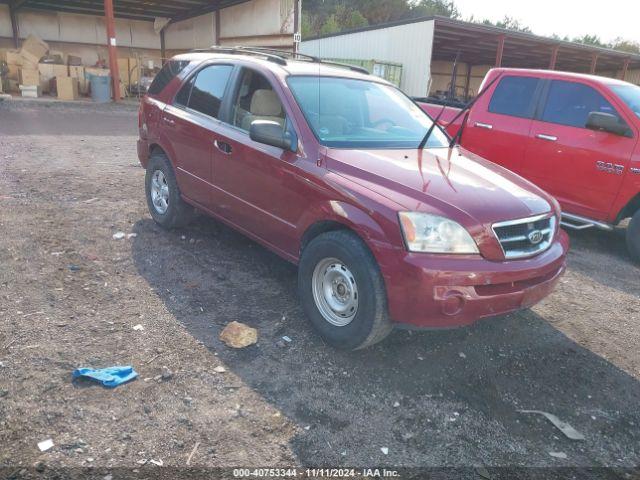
(256, 100)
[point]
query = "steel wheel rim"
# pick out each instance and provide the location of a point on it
(159, 192)
(335, 292)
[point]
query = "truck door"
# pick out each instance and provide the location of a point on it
(498, 125)
(582, 168)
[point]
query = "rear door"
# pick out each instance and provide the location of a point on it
(191, 124)
(498, 125)
(582, 168)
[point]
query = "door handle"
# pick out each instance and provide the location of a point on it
(484, 125)
(223, 147)
(168, 121)
(548, 138)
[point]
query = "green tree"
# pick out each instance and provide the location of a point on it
(330, 25)
(508, 23)
(590, 40)
(626, 45)
(423, 8)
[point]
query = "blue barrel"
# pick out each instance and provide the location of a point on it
(100, 88)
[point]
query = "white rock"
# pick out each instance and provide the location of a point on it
(219, 369)
(558, 454)
(45, 445)
(118, 235)
(384, 450)
(138, 328)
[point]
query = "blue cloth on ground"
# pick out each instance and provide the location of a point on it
(109, 377)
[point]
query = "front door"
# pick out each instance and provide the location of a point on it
(582, 168)
(257, 186)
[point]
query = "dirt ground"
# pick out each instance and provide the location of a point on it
(70, 296)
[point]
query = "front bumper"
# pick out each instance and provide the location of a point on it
(431, 291)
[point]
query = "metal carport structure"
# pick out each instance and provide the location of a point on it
(144, 10)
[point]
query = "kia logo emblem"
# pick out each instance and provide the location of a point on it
(535, 237)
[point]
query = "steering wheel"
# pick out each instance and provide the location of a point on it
(383, 121)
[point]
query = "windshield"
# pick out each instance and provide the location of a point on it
(348, 113)
(629, 94)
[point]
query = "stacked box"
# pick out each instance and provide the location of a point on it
(33, 49)
(78, 73)
(29, 77)
(49, 71)
(67, 88)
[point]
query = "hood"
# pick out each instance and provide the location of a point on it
(450, 182)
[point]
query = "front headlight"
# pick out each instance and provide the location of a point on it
(424, 232)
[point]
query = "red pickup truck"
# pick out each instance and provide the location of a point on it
(575, 136)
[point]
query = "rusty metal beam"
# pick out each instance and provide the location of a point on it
(113, 50)
(500, 50)
(594, 63)
(625, 67)
(554, 57)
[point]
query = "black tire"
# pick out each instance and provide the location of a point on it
(371, 322)
(179, 213)
(633, 237)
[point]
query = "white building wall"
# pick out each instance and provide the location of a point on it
(410, 45)
(251, 21)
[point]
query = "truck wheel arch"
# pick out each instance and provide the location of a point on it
(629, 209)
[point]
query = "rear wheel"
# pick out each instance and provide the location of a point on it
(633, 236)
(342, 291)
(163, 195)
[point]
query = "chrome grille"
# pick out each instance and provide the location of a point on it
(526, 237)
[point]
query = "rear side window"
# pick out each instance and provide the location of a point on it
(170, 70)
(570, 103)
(515, 96)
(182, 98)
(208, 89)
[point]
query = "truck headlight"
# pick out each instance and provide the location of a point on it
(424, 232)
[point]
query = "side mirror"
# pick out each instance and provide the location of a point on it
(605, 122)
(272, 133)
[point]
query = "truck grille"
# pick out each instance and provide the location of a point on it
(527, 236)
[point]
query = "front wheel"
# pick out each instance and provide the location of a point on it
(342, 291)
(633, 236)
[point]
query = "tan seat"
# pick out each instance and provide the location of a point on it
(265, 105)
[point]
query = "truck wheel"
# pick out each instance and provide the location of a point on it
(633, 236)
(342, 291)
(163, 196)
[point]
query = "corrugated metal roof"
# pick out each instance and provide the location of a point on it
(131, 9)
(478, 43)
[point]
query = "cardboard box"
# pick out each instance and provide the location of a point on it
(79, 74)
(13, 72)
(31, 91)
(67, 88)
(134, 71)
(33, 49)
(74, 60)
(13, 57)
(123, 69)
(29, 77)
(49, 71)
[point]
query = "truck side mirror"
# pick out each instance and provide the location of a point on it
(272, 133)
(606, 122)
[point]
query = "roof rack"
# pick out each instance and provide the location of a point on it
(279, 56)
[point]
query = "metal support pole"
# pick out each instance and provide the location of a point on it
(113, 50)
(594, 63)
(554, 57)
(625, 67)
(217, 19)
(14, 26)
(500, 51)
(467, 82)
(163, 47)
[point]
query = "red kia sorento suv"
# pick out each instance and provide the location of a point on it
(340, 173)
